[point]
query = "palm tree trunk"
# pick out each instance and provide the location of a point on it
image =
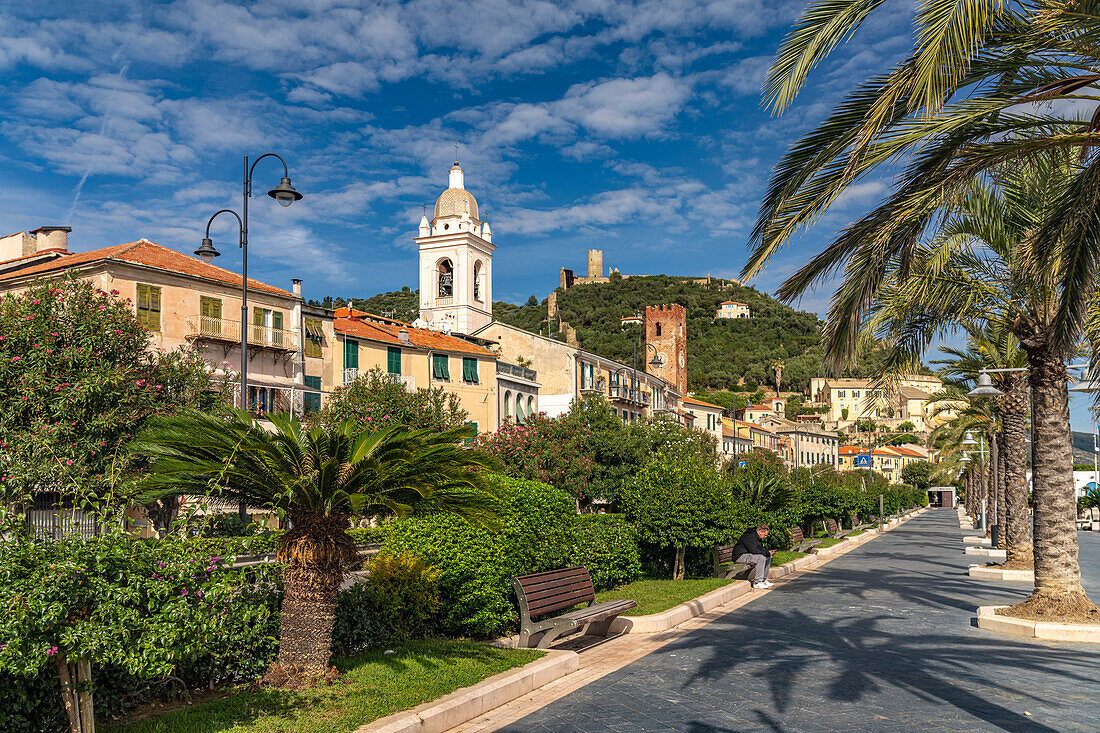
(983, 491)
(996, 519)
(1058, 591)
(1013, 407)
(306, 620)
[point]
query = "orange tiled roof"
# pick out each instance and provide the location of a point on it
(759, 407)
(361, 324)
(732, 302)
(693, 401)
(150, 254)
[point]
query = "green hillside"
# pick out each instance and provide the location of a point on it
(722, 354)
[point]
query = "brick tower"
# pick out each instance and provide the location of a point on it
(666, 331)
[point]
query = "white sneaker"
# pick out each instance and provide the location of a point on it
(766, 584)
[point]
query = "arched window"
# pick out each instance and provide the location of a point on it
(657, 332)
(446, 279)
(519, 408)
(477, 280)
(530, 405)
(507, 404)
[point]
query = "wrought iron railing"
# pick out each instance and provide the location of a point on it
(223, 329)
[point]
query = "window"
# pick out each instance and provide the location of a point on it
(477, 280)
(840, 394)
(441, 368)
(469, 370)
(446, 279)
(312, 400)
(471, 424)
(268, 327)
(507, 404)
(351, 354)
(855, 394)
(657, 329)
(519, 409)
(530, 405)
(148, 306)
(315, 337)
(393, 359)
(210, 307)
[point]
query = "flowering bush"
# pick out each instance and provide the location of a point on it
(374, 401)
(142, 608)
(77, 379)
(550, 450)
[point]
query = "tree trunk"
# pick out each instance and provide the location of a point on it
(678, 567)
(1013, 406)
(306, 619)
(84, 695)
(983, 490)
(1058, 590)
(999, 474)
(68, 692)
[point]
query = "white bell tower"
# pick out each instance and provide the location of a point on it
(456, 262)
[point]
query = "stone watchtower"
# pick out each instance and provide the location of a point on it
(595, 263)
(666, 331)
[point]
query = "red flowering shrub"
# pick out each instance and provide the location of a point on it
(374, 402)
(551, 450)
(77, 378)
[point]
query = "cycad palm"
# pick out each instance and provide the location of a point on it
(317, 477)
(986, 266)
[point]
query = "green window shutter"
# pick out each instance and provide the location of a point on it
(277, 320)
(313, 337)
(469, 370)
(393, 359)
(257, 316)
(440, 367)
(312, 400)
(210, 307)
(351, 354)
(148, 306)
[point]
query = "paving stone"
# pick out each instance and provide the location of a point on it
(878, 639)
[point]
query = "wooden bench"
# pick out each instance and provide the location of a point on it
(834, 530)
(555, 590)
(799, 543)
(725, 565)
(857, 525)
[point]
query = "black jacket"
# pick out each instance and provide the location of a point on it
(749, 544)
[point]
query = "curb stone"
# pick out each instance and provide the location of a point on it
(467, 703)
(985, 572)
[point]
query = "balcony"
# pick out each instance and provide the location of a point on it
(619, 393)
(221, 329)
(405, 380)
(517, 371)
(595, 387)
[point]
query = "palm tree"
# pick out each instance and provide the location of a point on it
(988, 265)
(318, 478)
(965, 416)
(996, 347)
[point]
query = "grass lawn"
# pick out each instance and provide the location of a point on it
(857, 533)
(373, 686)
(830, 541)
(785, 556)
(654, 596)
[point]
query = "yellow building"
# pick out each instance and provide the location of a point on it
(184, 301)
(707, 416)
(418, 358)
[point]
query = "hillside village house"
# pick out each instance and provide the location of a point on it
(754, 413)
(889, 460)
(733, 309)
(808, 444)
(184, 301)
(418, 358)
(743, 436)
(850, 400)
(707, 416)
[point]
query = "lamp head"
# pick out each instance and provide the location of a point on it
(657, 361)
(966, 458)
(284, 193)
(969, 439)
(984, 387)
(206, 252)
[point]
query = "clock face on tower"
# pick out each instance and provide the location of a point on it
(680, 359)
(662, 357)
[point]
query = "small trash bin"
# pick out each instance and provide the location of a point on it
(994, 535)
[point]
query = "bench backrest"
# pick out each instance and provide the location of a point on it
(830, 524)
(554, 590)
(796, 534)
(724, 553)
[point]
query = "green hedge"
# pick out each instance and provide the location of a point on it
(369, 535)
(607, 545)
(535, 533)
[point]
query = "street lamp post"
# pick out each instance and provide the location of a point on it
(285, 194)
(969, 441)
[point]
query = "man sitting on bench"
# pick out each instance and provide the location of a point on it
(750, 550)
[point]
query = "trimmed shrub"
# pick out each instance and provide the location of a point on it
(369, 535)
(477, 564)
(607, 545)
(394, 604)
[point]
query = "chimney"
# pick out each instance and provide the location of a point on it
(296, 287)
(54, 238)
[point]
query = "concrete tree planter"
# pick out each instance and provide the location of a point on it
(989, 620)
(991, 553)
(983, 572)
(977, 541)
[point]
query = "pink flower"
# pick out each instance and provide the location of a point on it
(51, 651)
(54, 333)
(103, 307)
(69, 462)
(184, 591)
(16, 358)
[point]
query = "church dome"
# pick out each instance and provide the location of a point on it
(456, 202)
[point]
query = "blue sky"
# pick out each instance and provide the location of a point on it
(633, 127)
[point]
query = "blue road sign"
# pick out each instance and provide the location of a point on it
(863, 461)
(742, 464)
